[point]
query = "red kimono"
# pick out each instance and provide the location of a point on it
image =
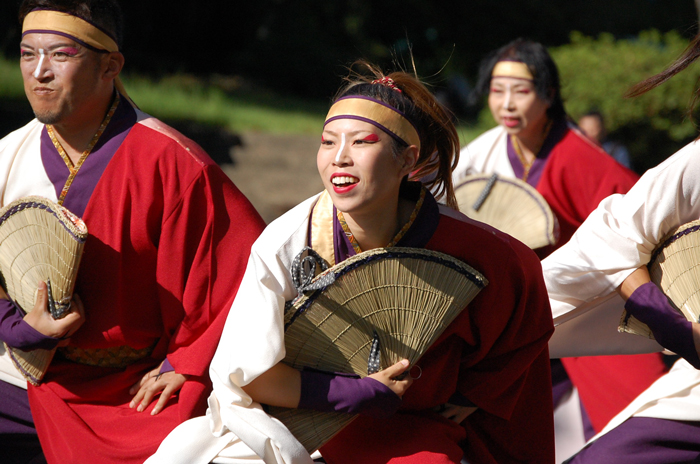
(494, 354)
(169, 241)
(576, 177)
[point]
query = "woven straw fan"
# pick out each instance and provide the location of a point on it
(407, 296)
(39, 241)
(675, 268)
(511, 206)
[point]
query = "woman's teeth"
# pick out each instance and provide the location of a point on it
(344, 180)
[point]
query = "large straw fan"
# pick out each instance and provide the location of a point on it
(39, 241)
(509, 205)
(675, 268)
(399, 298)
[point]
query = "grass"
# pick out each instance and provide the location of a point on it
(218, 100)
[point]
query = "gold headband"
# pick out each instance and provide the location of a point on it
(57, 22)
(376, 113)
(514, 69)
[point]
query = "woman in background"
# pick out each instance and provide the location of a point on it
(535, 142)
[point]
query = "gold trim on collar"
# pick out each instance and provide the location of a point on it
(321, 232)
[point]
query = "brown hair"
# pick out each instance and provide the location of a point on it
(690, 54)
(439, 150)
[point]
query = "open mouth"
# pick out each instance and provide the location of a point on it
(510, 122)
(344, 181)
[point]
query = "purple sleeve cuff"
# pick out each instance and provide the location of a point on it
(166, 367)
(324, 391)
(17, 333)
(670, 328)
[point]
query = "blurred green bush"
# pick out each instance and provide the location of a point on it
(597, 72)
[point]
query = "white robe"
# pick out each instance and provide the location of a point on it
(236, 429)
(485, 154)
(616, 239)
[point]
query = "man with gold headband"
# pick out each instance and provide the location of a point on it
(535, 142)
(164, 223)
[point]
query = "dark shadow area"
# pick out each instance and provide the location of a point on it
(647, 146)
(14, 113)
(218, 142)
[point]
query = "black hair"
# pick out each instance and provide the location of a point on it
(539, 62)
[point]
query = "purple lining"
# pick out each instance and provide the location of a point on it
(670, 240)
(166, 367)
(15, 416)
(417, 236)
(109, 34)
(362, 97)
(370, 121)
(645, 440)
(94, 165)
(68, 36)
(350, 394)
(555, 135)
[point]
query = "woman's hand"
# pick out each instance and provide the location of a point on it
(152, 384)
(388, 377)
(40, 319)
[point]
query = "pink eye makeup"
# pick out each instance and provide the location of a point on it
(371, 138)
(71, 51)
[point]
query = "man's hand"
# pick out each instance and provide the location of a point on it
(41, 320)
(152, 384)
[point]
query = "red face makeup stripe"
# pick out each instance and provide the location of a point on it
(68, 50)
(371, 138)
(323, 139)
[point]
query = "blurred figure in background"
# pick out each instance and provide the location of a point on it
(536, 143)
(592, 124)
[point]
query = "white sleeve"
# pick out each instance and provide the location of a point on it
(621, 234)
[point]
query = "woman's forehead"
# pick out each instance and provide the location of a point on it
(512, 82)
(349, 125)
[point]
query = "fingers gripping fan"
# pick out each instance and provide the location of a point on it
(39, 241)
(511, 206)
(366, 314)
(675, 268)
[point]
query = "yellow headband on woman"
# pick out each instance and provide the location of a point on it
(74, 28)
(377, 113)
(516, 69)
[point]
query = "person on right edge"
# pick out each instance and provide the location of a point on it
(609, 252)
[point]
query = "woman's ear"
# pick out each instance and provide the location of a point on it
(408, 159)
